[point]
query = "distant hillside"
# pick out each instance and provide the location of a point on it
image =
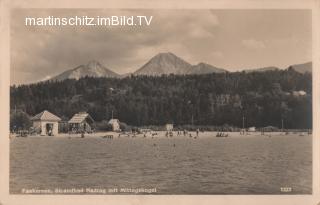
(204, 68)
(162, 63)
(303, 68)
(261, 69)
(215, 99)
(92, 69)
(169, 63)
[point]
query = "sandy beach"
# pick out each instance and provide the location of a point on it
(162, 134)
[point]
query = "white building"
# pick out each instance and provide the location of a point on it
(46, 123)
(252, 129)
(299, 93)
(169, 127)
(115, 123)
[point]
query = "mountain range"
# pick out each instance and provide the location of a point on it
(169, 63)
(162, 63)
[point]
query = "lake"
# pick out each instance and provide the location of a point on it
(281, 164)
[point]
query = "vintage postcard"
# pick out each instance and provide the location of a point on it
(197, 102)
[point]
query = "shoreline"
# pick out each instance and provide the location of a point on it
(162, 134)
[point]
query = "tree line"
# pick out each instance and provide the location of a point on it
(261, 98)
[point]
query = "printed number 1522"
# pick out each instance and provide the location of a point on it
(286, 189)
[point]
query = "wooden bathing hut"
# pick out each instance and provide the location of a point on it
(169, 127)
(46, 123)
(115, 124)
(81, 123)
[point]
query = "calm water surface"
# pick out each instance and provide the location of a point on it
(233, 165)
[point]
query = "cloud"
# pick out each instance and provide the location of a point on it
(217, 37)
(253, 44)
(48, 51)
(200, 33)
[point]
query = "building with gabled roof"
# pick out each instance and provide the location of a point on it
(46, 123)
(169, 127)
(115, 123)
(81, 122)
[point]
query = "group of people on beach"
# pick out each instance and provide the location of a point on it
(167, 134)
(185, 133)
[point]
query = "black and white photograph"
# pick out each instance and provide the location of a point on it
(157, 101)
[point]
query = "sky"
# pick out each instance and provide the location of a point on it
(229, 39)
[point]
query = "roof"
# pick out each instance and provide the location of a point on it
(45, 116)
(271, 127)
(80, 117)
(113, 121)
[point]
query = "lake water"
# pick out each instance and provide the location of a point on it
(233, 165)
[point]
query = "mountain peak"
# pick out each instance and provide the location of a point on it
(92, 69)
(164, 63)
(93, 63)
(168, 54)
(169, 63)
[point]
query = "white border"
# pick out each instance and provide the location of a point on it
(5, 198)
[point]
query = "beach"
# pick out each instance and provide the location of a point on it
(162, 134)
